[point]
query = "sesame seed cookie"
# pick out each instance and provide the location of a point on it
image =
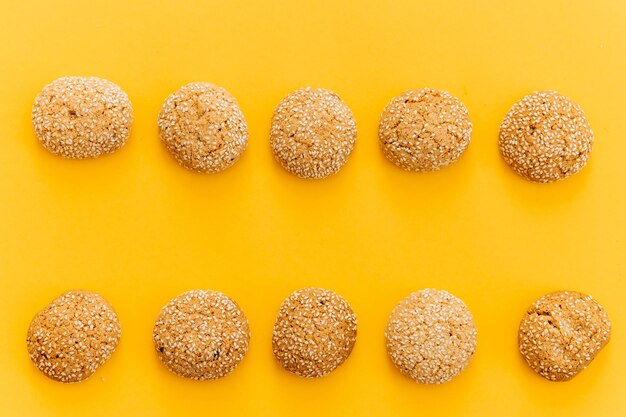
(82, 117)
(201, 334)
(73, 336)
(546, 137)
(203, 127)
(314, 333)
(561, 333)
(424, 130)
(431, 336)
(313, 133)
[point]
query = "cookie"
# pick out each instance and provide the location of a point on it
(424, 130)
(545, 137)
(561, 333)
(314, 333)
(203, 127)
(73, 336)
(431, 336)
(201, 334)
(313, 133)
(82, 117)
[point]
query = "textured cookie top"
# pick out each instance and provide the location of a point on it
(313, 132)
(431, 336)
(424, 130)
(314, 333)
(561, 334)
(201, 334)
(203, 128)
(545, 137)
(72, 336)
(82, 117)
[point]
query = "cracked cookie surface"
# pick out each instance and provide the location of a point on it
(424, 130)
(314, 332)
(561, 334)
(431, 336)
(545, 137)
(82, 117)
(313, 133)
(201, 334)
(203, 127)
(73, 336)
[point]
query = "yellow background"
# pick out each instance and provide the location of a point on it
(139, 229)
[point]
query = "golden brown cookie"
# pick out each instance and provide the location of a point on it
(546, 137)
(424, 130)
(561, 333)
(82, 117)
(203, 128)
(314, 333)
(313, 133)
(201, 334)
(73, 335)
(431, 336)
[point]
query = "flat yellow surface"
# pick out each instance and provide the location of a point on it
(139, 229)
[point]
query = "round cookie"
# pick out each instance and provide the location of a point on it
(424, 130)
(314, 333)
(73, 335)
(203, 128)
(82, 117)
(313, 133)
(431, 336)
(201, 334)
(545, 137)
(561, 333)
